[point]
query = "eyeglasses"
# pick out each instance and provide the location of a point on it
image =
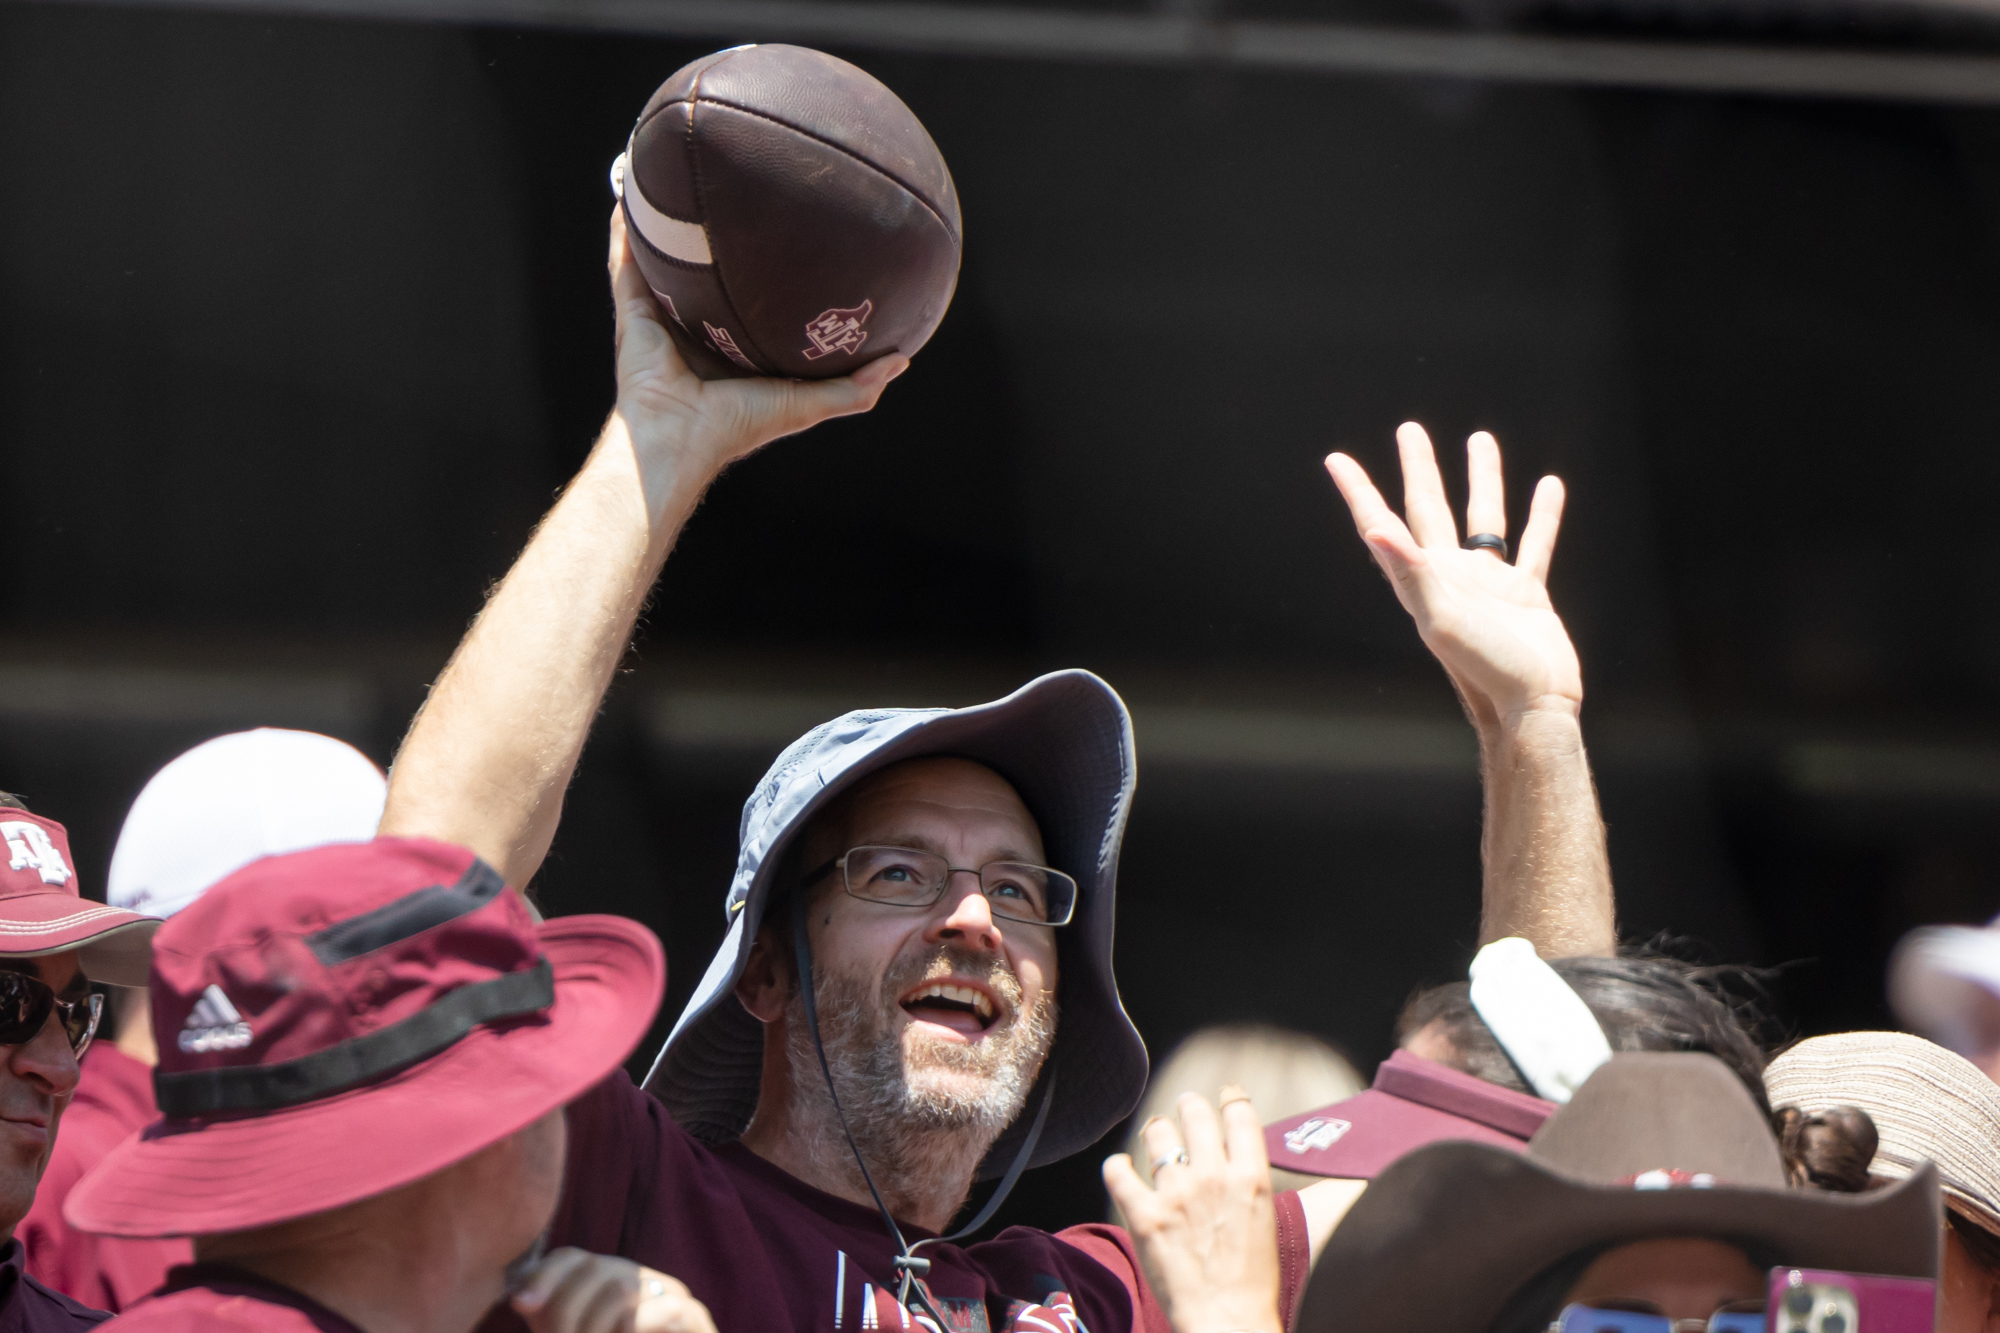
(26, 1003)
(1738, 1317)
(905, 877)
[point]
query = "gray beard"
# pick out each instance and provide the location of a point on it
(922, 1118)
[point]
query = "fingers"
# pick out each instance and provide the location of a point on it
(627, 282)
(1538, 538)
(667, 1306)
(1164, 1148)
(1410, 573)
(1242, 1132)
(1201, 1131)
(640, 340)
(1486, 487)
(1129, 1190)
(1424, 503)
(532, 1301)
(773, 408)
(573, 1291)
(1371, 513)
(819, 400)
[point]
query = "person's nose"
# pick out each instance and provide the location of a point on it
(968, 920)
(46, 1061)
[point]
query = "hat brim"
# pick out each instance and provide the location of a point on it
(1381, 1128)
(116, 943)
(195, 1178)
(1065, 743)
(1444, 1238)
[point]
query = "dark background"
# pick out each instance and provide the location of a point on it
(303, 323)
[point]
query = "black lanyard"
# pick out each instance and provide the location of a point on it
(906, 1260)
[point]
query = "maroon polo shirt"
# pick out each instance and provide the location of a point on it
(114, 1099)
(215, 1298)
(763, 1250)
(26, 1306)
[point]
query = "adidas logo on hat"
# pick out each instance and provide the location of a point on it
(214, 1025)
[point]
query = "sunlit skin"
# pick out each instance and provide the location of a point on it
(40, 1076)
(1968, 1295)
(964, 812)
(1681, 1278)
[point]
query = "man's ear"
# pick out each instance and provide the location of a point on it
(766, 984)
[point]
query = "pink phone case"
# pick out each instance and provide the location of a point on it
(1881, 1304)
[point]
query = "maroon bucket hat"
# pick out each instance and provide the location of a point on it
(42, 912)
(1413, 1102)
(338, 1022)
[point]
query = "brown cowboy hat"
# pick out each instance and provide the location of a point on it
(1653, 1145)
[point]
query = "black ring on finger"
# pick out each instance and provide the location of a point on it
(1487, 541)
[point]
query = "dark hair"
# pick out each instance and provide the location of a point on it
(1981, 1244)
(9, 801)
(1832, 1150)
(1828, 1151)
(1643, 1000)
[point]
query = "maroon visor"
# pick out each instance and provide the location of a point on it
(1413, 1102)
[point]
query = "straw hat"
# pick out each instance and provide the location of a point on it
(1927, 1104)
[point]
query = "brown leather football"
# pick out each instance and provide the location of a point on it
(791, 215)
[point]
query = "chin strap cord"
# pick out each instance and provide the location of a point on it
(906, 1262)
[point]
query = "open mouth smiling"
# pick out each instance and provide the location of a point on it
(962, 1006)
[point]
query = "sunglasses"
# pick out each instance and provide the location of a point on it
(1588, 1319)
(26, 1003)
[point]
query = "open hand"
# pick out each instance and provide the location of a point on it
(1489, 622)
(573, 1291)
(1206, 1229)
(711, 424)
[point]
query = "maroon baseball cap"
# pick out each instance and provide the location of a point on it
(1413, 1102)
(41, 911)
(341, 1021)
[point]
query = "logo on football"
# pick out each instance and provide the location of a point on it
(838, 331)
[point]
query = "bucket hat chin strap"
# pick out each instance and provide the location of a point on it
(907, 1262)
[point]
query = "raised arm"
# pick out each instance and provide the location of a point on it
(487, 760)
(1492, 627)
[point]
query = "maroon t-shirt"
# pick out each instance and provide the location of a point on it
(764, 1250)
(26, 1306)
(221, 1299)
(113, 1100)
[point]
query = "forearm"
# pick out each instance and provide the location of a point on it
(1547, 876)
(487, 760)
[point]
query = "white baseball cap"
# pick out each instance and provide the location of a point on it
(1944, 981)
(228, 802)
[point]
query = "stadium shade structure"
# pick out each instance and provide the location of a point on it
(1189, 35)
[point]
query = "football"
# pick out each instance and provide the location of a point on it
(791, 215)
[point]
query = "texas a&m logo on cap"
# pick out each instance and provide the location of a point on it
(29, 847)
(1316, 1135)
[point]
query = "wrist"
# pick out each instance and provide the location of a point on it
(672, 466)
(1551, 723)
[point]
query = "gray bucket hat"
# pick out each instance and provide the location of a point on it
(1065, 743)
